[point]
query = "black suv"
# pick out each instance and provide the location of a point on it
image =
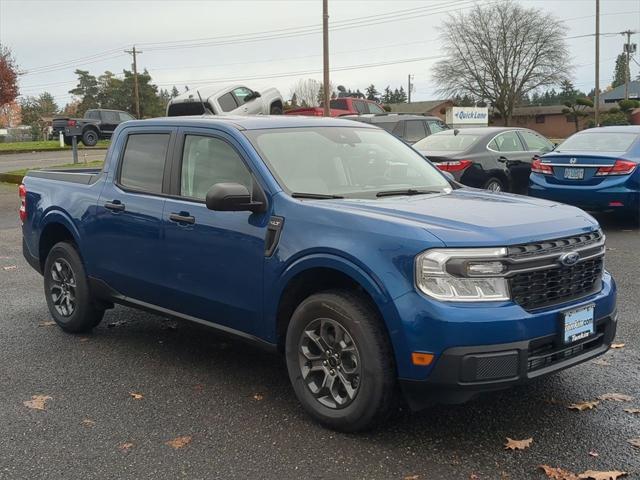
(98, 123)
(408, 127)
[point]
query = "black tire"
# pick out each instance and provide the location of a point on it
(90, 138)
(494, 184)
(68, 141)
(275, 110)
(80, 313)
(375, 384)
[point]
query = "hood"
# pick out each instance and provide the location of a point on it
(471, 217)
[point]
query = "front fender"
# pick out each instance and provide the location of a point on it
(366, 279)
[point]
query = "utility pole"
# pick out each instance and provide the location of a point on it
(325, 56)
(409, 78)
(597, 95)
(136, 93)
(629, 48)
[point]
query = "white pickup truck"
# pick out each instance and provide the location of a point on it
(230, 100)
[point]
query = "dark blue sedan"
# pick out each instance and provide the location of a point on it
(596, 169)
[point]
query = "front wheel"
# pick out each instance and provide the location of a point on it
(67, 290)
(340, 361)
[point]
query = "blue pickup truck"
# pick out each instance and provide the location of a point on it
(329, 241)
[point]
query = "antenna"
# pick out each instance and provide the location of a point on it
(205, 110)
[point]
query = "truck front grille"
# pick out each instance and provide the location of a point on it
(539, 280)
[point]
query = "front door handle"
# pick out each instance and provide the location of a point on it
(179, 218)
(115, 206)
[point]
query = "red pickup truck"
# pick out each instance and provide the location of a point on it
(341, 106)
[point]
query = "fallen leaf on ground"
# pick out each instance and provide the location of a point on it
(616, 397)
(87, 422)
(10, 267)
(517, 444)
(473, 476)
(634, 442)
(596, 475)
(258, 396)
(198, 387)
(84, 339)
(617, 345)
(136, 396)
(125, 447)
(593, 453)
(557, 473)
(411, 477)
(632, 410)
(601, 361)
(37, 402)
(46, 324)
(179, 442)
(580, 406)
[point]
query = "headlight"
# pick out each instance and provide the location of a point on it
(455, 275)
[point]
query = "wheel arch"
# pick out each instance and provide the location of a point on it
(276, 103)
(56, 227)
(318, 273)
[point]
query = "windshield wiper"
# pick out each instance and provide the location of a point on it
(406, 191)
(318, 196)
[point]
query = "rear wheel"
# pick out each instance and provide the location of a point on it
(90, 138)
(67, 290)
(340, 361)
(494, 185)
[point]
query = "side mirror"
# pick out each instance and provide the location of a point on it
(252, 96)
(231, 197)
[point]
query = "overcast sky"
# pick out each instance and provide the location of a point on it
(181, 41)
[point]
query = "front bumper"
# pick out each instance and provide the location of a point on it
(464, 372)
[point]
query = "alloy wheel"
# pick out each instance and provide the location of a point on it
(63, 287)
(330, 363)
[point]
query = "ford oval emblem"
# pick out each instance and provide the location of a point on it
(573, 160)
(570, 258)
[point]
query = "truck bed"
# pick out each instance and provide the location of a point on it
(84, 176)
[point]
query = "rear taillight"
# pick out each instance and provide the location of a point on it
(538, 167)
(71, 123)
(22, 191)
(621, 167)
(454, 165)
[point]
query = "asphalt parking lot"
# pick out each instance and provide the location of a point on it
(240, 419)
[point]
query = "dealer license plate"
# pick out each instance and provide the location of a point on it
(578, 324)
(574, 173)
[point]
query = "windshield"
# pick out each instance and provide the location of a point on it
(446, 142)
(344, 161)
(598, 142)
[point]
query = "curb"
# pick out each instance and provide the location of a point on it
(11, 178)
(86, 149)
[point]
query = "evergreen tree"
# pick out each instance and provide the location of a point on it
(621, 71)
(402, 96)
(174, 92)
(372, 93)
(87, 89)
(387, 95)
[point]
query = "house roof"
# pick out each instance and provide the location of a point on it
(533, 110)
(419, 107)
(618, 92)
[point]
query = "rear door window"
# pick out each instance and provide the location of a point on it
(125, 117)
(143, 162)
(227, 102)
(340, 104)
(92, 115)
(110, 117)
(414, 130)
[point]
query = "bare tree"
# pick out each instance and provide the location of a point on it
(306, 92)
(501, 52)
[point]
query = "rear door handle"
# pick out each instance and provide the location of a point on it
(115, 206)
(179, 218)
